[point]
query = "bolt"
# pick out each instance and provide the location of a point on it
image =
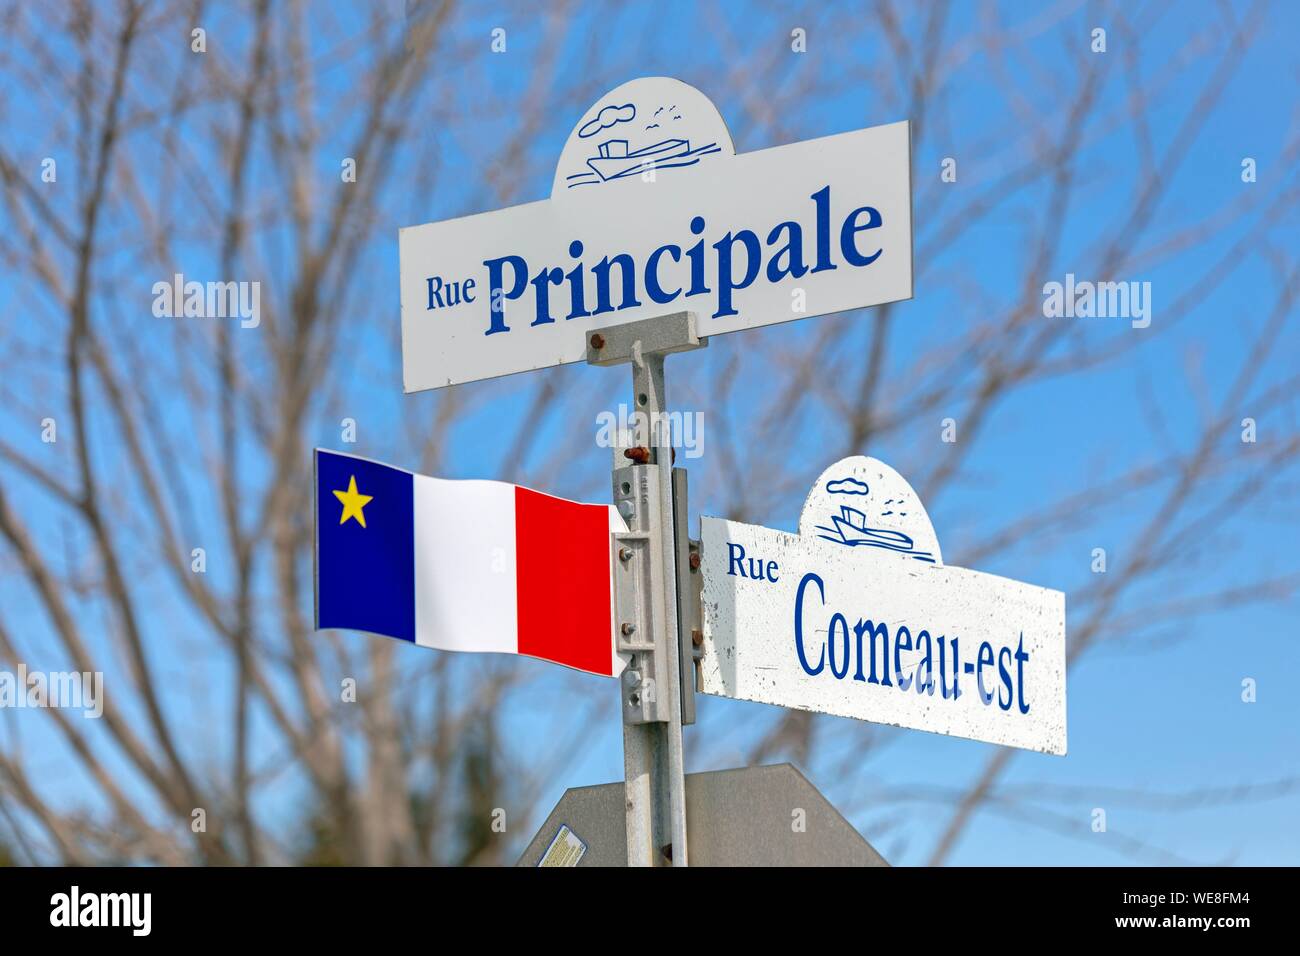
(628, 628)
(625, 554)
(697, 636)
(633, 677)
(627, 508)
(597, 341)
(640, 454)
(694, 560)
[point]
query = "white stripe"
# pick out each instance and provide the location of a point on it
(465, 565)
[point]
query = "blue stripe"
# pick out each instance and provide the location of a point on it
(365, 577)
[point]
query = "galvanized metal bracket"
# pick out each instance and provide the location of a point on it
(637, 568)
(661, 335)
(690, 619)
(642, 619)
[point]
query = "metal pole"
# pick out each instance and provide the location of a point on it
(646, 596)
(661, 450)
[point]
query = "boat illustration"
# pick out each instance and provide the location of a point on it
(615, 160)
(850, 528)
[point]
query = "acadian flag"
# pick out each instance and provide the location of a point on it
(464, 565)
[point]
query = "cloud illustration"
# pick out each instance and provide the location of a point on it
(847, 486)
(607, 117)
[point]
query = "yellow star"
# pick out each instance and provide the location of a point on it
(353, 503)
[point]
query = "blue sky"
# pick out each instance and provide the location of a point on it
(1166, 719)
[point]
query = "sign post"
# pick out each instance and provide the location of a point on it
(649, 627)
(656, 230)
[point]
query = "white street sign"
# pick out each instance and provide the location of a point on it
(651, 211)
(856, 615)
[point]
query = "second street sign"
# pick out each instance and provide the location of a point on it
(652, 211)
(858, 616)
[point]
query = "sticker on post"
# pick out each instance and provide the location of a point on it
(565, 850)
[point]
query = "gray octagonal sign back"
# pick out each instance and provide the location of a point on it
(754, 816)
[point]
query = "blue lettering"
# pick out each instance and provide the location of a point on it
(822, 200)
(849, 231)
(735, 555)
(902, 642)
(627, 268)
(726, 282)
(496, 293)
(435, 292)
(542, 283)
(839, 619)
(780, 256)
(696, 254)
(577, 293)
(983, 659)
(798, 624)
(652, 286)
(792, 250)
(926, 665)
(875, 630)
(1021, 658)
(1006, 677)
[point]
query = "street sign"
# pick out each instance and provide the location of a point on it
(857, 615)
(754, 816)
(652, 211)
(655, 237)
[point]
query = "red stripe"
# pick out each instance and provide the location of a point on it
(562, 574)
